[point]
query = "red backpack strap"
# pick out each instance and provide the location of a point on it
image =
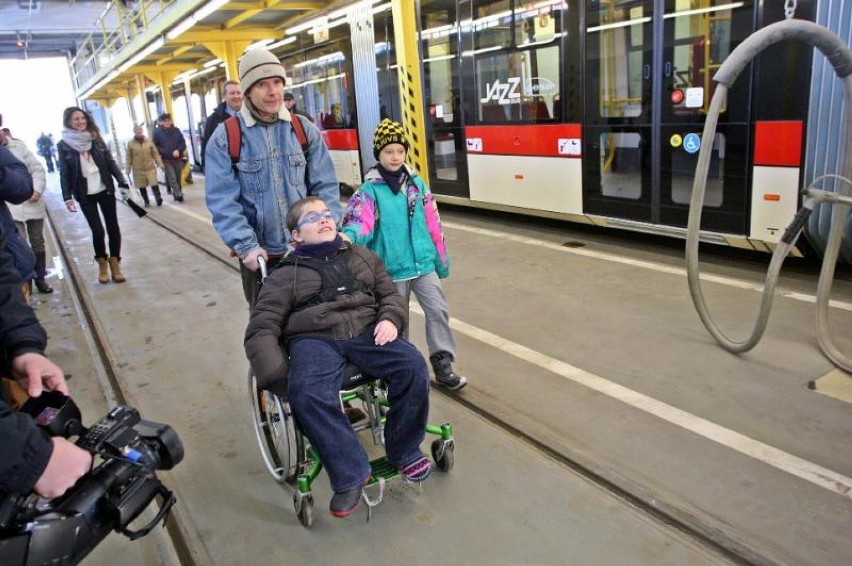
(232, 129)
(300, 131)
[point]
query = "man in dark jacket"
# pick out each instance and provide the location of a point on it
(172, 147)
(232, 101)
(29, 460)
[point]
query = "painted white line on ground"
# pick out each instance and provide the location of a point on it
(804, 469)
(654, 266)
(188, 212)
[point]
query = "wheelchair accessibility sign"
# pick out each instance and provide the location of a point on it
(691, 143)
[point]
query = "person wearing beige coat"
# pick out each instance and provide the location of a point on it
(29, 215)
(143, 159)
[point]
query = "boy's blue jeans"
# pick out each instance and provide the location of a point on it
(315, 376)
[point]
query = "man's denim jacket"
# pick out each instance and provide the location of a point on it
(250, 209)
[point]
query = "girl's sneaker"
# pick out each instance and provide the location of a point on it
(418, 470)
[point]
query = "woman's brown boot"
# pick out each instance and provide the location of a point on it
(117, 276)
(103, 270)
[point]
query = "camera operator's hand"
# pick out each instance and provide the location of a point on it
(35, 373)
(67, 464)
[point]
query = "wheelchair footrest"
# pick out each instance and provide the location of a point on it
(380, 468)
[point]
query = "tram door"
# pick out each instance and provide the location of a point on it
(649, 66)
(442, 92)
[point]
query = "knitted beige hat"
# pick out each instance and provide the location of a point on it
(259, 64)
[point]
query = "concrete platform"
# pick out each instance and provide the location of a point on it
(594, 353)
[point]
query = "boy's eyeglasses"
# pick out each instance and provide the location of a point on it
(314, 217)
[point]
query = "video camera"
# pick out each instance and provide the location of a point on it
(35, 531)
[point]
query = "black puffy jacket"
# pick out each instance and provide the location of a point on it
(24, 450)
(285, 308)
(71, 177)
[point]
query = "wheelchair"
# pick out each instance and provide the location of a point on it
(292, 462)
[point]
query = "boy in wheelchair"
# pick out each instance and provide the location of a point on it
(328, 303)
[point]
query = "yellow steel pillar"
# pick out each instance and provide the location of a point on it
(164, 80)
(229, 52)
(410, 85)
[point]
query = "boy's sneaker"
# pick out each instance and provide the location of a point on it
(347, 502)
(444, 374)
(418, 470)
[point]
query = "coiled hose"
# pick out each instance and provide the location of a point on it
(840, 57)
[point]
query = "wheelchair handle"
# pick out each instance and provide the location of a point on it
(261, 262)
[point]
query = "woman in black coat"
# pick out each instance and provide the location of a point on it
(86, 172)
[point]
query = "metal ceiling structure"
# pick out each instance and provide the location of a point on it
(155, 41)
(47, 28)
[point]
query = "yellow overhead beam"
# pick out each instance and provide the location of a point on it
(171, 67)
(229, 52)
(176, 53)
(203, 36)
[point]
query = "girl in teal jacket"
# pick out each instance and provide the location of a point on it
(394, 214)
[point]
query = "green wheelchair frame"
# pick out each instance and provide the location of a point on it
(292, 461)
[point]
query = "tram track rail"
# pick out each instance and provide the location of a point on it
(620, 487)
(183, 545)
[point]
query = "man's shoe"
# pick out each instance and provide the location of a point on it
(346, 502)
(43, 286)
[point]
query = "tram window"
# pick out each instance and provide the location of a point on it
(701, 42)
(492, 24)
(322, 81)
(620, 165)
(518, 85)
(498, 23)
(386, 68)
(620, 40)
(683, 174)
(537, 23)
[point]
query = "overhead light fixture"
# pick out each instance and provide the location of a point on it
(193, 19)
(212, 63)
(261, 43)
(283, 42)
(209, 8)
(181, 27)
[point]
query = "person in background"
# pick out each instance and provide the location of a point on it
(334, 119)
(29, 215)
(86, 173)
(44, 146)
(232, 101)
(171, 145)
(29, 461)
(143, 160)
(290, 103)
(249, 201)
(16, 186)
(409, 239)
(7, 132)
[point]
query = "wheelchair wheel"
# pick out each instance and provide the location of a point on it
(443, 452)
(304, 509)
(280, 443)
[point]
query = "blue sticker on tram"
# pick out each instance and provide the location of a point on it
(691, 143)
